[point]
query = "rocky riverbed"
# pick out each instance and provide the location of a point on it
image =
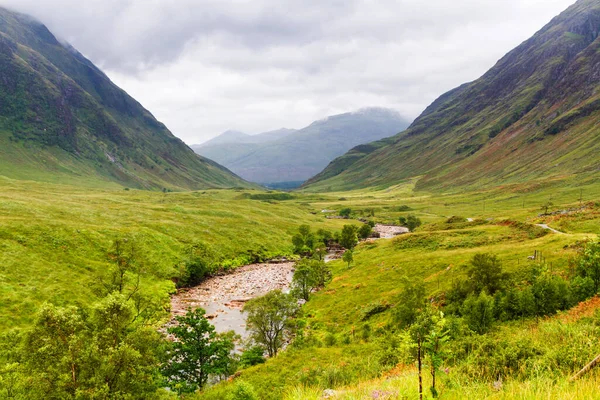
(223, 297)
(389, 231)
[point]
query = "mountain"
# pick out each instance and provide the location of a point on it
(63, 120)
(534, 115)
(236, 137)
(291, 157)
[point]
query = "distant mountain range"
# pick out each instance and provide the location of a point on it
(63, 120)
(287, 157)
(534, 115)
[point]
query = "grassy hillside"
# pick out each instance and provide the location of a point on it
(63, 120)
(54, 239)
(344, 339)
(534, 115)
(297, 156)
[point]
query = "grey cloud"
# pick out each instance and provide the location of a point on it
(204, 66)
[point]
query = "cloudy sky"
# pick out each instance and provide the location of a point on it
(205, 66)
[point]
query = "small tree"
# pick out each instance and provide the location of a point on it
(345, 212)
(348, 237)
(410, 302)
(198, 353)
(486, 274)
(308, 276)
(478, 312)
(411, 222)
(547, 206)
(589, 264)
(365, 231)
(348, 257)
(269, 319)
(303, 241)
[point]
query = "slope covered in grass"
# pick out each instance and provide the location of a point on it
(534, 115)
(54, 239)
(63, 120)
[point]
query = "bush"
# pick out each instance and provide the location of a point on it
(478, 312)
(252, 356)
(345, 212)
(242, 391)
(365, 231)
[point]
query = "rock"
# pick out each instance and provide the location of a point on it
(328, 393)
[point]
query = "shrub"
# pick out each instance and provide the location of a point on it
(242, 391)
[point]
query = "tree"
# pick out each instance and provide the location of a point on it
(486, 274)
(94, 353)
(546, 206)
(410, 302)
(345, 212)
(269, 319)
(478, 312)
(303, 281)
(308, 276)
(323, 237)
(411, 222)
(589, 264)
(199, 264)
(348, 237)
(348, 257)
(197, 353)
(365, 231)
(304, 240)
(434, 343)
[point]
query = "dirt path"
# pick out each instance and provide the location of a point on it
(223, 297)
(550, 229)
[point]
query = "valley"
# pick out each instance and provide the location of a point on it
(360, 257)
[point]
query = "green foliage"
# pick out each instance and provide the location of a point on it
(411, 222)
(410, 302)
(304, 241)
(95, 353)
(345, 212)
(201, 262)
(373, 309)
(309, 275)
(365, 231)
(271, 196)
(589, 264)
(349, 237)
(242, 391)
(197, 353)
(269, 319)
(252, 356)
(478, 311)
(348, 257)
(486, 274)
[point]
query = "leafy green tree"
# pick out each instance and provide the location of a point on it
(197, 353)
(323, 237)
(410, 302)
(304, 280)
(411, 222)
(97, 353)
(269, 319)
(252, 356)
(478, 312)
(365, 231)
(582, 288)
(349, 237)
(547, 206)
(348, 257)
(419, 330)
(485, 273)
(304, 241)
(434, 343)
(309, 275)
(242, 391)
(345, 212)
(589, 264)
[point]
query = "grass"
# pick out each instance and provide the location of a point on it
(54, 238)
(336, 354)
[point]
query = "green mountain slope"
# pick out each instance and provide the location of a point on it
(534, 115)
(301, 154)
(63, 120)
